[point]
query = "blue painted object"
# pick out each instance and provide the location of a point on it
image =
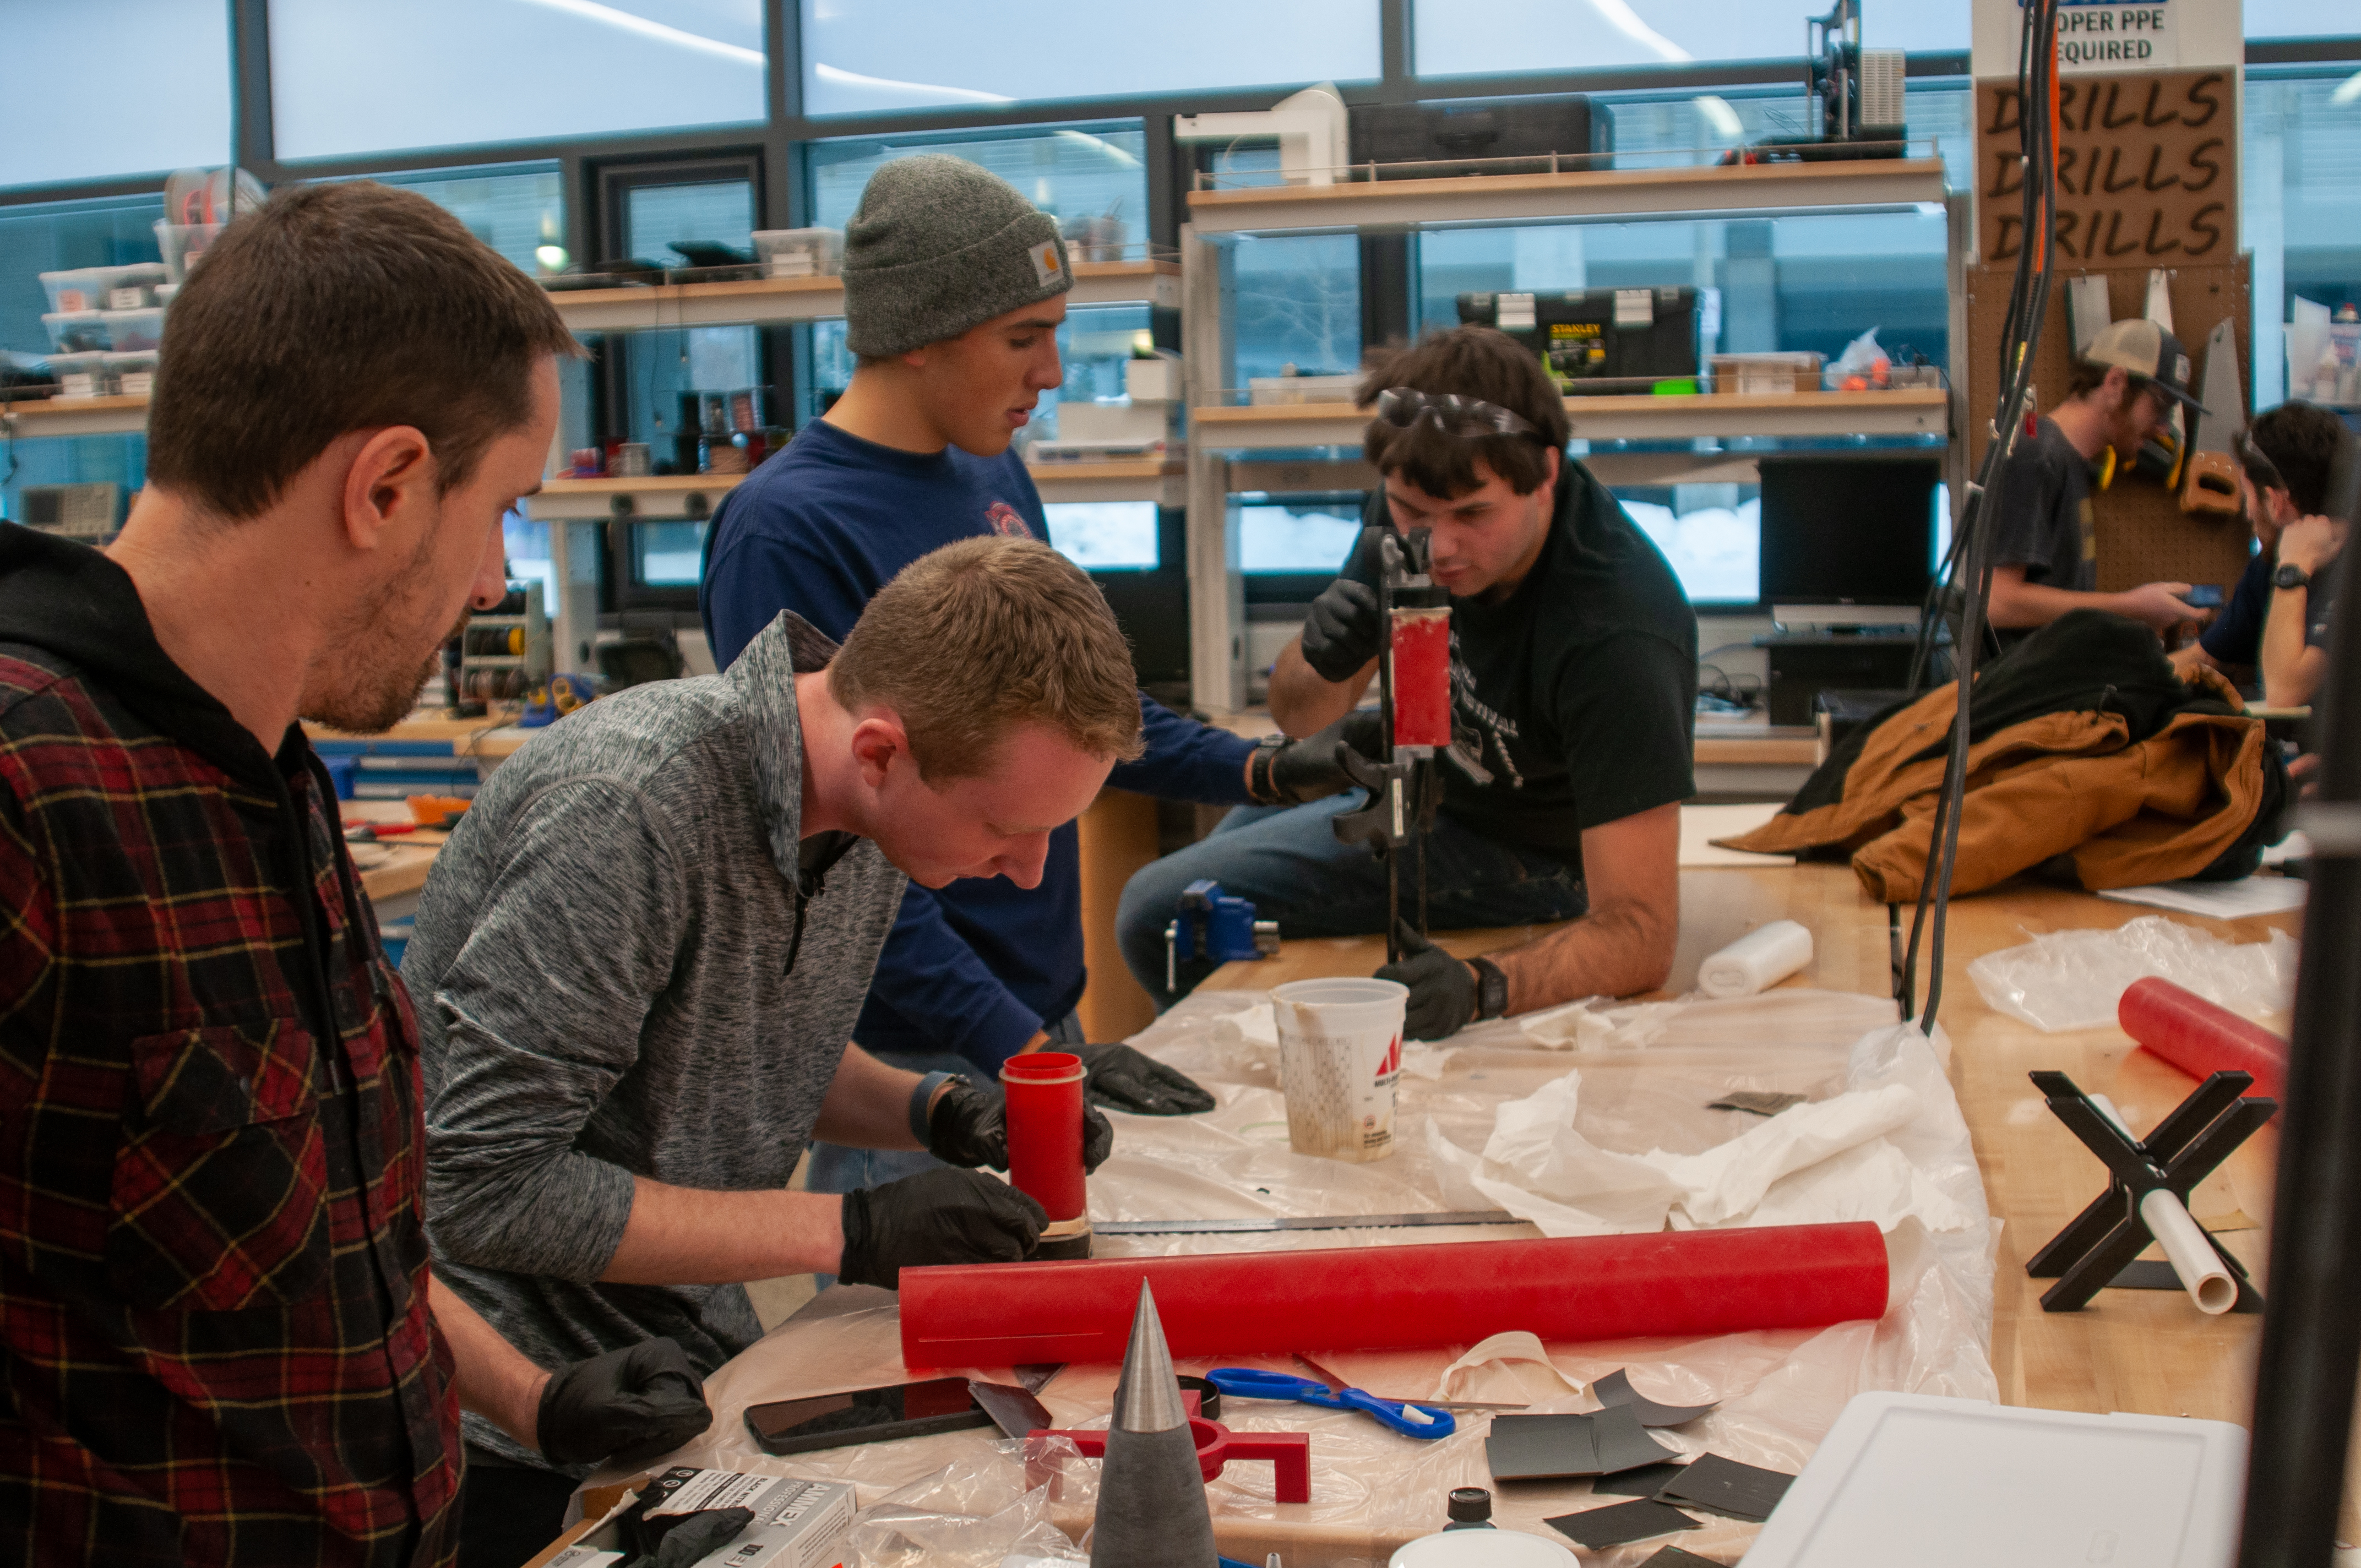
(1216, 926)
(1245, 1383)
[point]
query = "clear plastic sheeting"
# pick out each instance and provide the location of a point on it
(974, 1513)
(1373, 1489)
(2072, 980)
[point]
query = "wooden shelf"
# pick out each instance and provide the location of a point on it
(77, 416)
(1613, 195)
(661, 497)
(770, 301)
(1163, 481)
(1919, 412)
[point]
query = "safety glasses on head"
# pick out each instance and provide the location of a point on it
(1404, 407)
(2259, 468)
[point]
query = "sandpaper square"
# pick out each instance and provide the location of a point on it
(1622, 1443)
(1538, 1448)
(1673, 1557)
(1758, 1101)
(1644, 1482)
(1725, 1487)
(1619, 1522)
(1615, 1389)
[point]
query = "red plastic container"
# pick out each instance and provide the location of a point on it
(2201, 1038)
(1045, 1130)
(1394, 1298)
(1422, 675)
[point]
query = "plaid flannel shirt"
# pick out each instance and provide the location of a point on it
(214, 1322)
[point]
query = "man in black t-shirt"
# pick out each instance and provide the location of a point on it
(2045, 547)
(1574, 690)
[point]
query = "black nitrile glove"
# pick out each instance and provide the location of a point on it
(1343, 632)
(696, 1537)
(628, 1405)
(1313, 767)
(1121, 1077)
(968, 1126)
(1441, 988)
(936, 1216)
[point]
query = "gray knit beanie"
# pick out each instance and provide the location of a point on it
(939, 245)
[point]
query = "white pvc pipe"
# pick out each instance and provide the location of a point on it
(2202, 1273)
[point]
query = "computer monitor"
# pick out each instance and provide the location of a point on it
(1847, 540)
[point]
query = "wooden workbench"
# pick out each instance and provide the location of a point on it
(2147, 1351)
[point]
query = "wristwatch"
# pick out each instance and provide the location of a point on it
(1491, 988)
(2290, 575)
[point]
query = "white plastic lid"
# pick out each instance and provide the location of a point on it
(1483, 1548)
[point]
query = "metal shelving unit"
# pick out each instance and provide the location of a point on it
(779, 301)
(74, 416)
(1219, 429)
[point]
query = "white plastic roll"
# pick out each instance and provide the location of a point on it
(2202, 1273)
(1756, 961)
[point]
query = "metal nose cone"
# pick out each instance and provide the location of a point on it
(1147, 1396)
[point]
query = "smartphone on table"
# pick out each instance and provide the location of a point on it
(864, 1415)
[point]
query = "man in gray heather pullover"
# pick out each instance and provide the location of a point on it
(639, 959)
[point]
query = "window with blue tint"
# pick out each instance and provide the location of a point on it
(59, 236)
(1656, 130)
(1711, 535)
(348, 79)
(1296, 536)
(2302, 157)
(2300, 18)
(866, 59)
(102, 89)
(1104, 535)
(518, 209)
(1473, 37)
(525, 544)
(668, 555)
(661, 366)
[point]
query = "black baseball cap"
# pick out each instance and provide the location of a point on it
(2149, 352)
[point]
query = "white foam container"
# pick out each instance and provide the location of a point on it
(1960, 1483)
(1483, 1548)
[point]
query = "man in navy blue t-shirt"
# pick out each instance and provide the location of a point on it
(954, 288)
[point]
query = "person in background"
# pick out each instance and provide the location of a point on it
(219, 1339)
(2294, 660)
(1574, 696)
(2283, 466)
(955, 287)
(640, 956)
(2045, 543)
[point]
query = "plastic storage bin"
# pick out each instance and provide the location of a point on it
(80, 374)
(800, 253)
(79, 331)
(130, 332)
(134, 374)
(181, 245)
(96, 288)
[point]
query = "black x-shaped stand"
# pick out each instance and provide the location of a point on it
(2087, 1255)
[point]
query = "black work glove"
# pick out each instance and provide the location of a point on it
(1441, 988)
(628, 1405)
(936, 1216)
(968, 1126)
(699, 1536)
(1121, 1077)
(1342, 633)
(1314, 766)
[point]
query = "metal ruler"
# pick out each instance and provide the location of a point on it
(1272, 1223)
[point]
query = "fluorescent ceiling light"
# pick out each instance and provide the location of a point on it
(2347, 89)
(1720, 117)
(1619, 15)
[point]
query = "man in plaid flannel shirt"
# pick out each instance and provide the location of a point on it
(217, 1340)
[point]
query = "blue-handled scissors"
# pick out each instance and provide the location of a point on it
(1245, 1383)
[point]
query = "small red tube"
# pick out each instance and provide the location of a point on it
(1396, 1298)
(1420, 649)
(2201, 1038)
(1045, 1130)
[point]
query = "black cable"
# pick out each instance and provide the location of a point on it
(1971, 543)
